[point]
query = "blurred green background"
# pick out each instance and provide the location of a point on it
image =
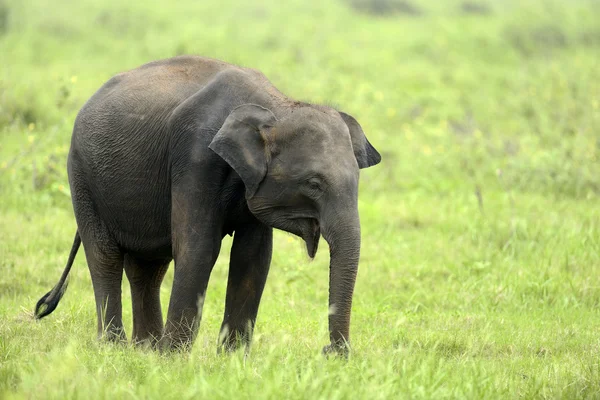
(481, 227)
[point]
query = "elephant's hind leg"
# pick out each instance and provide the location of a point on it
(104, 257)
(145, 278)
(105, 263)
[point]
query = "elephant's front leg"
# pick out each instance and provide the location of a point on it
(196, 235)
(193, 266)
(248, 268)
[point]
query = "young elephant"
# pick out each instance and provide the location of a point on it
(170, 157)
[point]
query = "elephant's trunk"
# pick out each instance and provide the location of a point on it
(341, 229)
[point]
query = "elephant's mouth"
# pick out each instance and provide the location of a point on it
(304, 225)
(311, 233)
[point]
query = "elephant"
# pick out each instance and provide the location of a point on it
(169, 158)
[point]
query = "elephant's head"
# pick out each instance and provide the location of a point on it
(301, 176)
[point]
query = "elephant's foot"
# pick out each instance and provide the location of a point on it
(146, 335)
(174, 344)
(337, 350)
(232, 340)
(113, 334)
(150, 341)
(178, 337)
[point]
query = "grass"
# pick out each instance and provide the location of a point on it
(481, 228)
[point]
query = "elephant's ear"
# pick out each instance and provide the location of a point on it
(365, 153)
(241, 143)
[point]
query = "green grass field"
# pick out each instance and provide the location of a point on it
(479, 274)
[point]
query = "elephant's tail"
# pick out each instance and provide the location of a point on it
(48, 303)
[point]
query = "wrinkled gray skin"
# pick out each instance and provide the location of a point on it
(168, 158)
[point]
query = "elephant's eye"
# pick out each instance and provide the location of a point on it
(314, 184)
(314, 187)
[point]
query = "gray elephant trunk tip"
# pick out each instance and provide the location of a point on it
(312, 243)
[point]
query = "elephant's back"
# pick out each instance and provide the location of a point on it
(148, 92)
(132, 109)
